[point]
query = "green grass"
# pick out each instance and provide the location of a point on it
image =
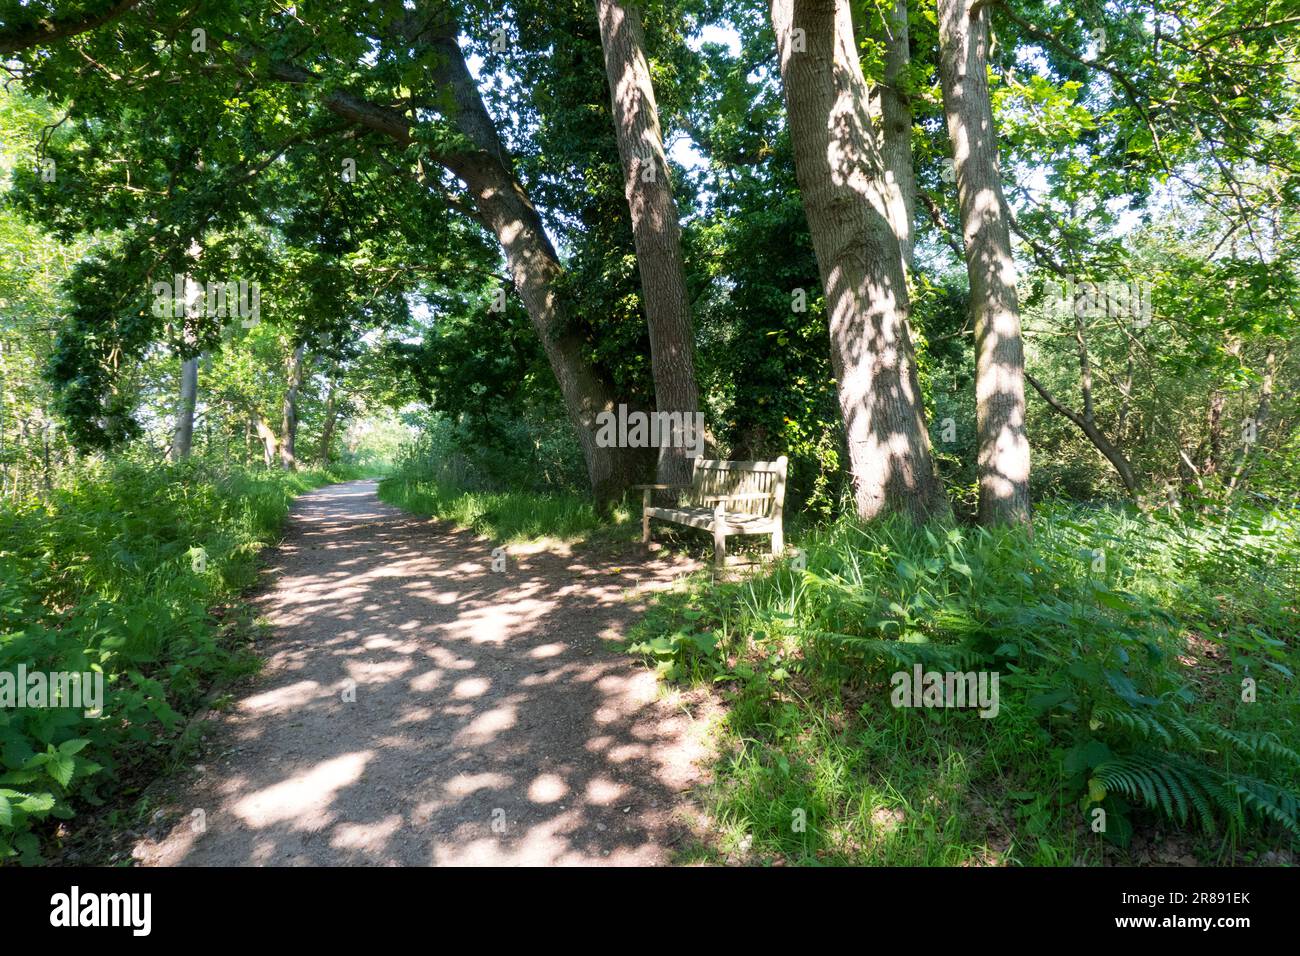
(115, 571)
(1121, 641)
(507, 517)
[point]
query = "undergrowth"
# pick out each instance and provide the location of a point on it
(1146, 675)
(503, 516)
(113, 573)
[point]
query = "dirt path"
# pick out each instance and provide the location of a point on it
(491, 723)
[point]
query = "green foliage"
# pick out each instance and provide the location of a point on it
(1121, 639)
(443, 474)
(114, 573)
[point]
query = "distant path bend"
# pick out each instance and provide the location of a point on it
(491, 723)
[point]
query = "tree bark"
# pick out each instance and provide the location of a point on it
(508, 211)
(655, 228)
(327, 430)
(289, 410)
(183, 436)
(268, 438)
(892, 111)
(999, 351)
(842, 185)
(1260, 420)
(37, 32)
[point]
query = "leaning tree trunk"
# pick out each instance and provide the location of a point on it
(266, 434)
(842, 183)
(999, 352)
(655, 228)
(506, 209)
(1088, 425)
(183, 436)
(289, 411)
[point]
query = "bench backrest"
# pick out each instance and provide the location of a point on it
(715, 477)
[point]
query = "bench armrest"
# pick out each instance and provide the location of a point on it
(658, 487)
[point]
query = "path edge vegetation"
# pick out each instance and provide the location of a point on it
(136, 572)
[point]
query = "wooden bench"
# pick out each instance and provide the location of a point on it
(726, 498)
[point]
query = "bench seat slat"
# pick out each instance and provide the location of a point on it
(703, 518)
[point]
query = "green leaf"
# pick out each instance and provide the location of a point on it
(70, 747)
(61, 767)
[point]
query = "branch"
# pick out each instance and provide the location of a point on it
(42, 31)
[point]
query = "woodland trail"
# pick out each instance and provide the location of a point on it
(492, 722)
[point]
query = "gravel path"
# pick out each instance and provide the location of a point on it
(491, 722)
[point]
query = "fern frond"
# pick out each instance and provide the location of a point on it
(1169, 784)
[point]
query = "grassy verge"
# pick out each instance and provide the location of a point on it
(504, 516)
(114, 574)
(1147, 700)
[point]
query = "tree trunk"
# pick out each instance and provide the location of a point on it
(289, 411)
(270, 443)
(1088, 426)
(892, 111)
(183, 436)
(1257, 422)
(327, 430)
(999, 351)
(841, 181)
(655, 227)
(47, 474)
(507, 210)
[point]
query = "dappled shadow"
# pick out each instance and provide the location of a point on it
(843, 183)
(491, 723)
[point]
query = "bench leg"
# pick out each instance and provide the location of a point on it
(719, 548)
(645, 517)
(778, 542)
(719, 537)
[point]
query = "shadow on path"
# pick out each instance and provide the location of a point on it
(490, 723)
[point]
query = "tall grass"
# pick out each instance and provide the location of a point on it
(1122, 642)
(504, 516)
(114, 572)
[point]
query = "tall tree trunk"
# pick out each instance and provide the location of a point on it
(892, 112)
(655, 228)
(1256, 423)
(289, 411)
(183, 435)
(1214, 436)
(841, 181)
(47, 473)
(327, 430)
(507, 210)
(999, 351)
